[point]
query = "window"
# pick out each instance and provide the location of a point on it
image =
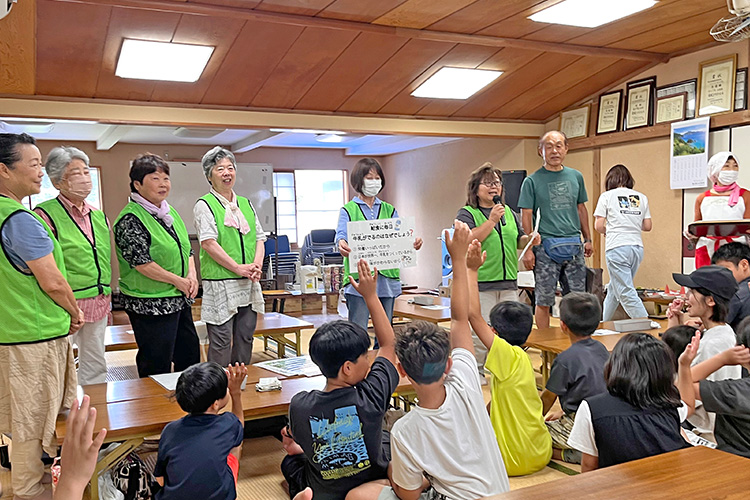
(49, 191)
(286, 210)
(320, 195)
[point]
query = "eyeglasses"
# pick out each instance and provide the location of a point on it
(492, 184)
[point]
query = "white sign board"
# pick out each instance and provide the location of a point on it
(382, 243)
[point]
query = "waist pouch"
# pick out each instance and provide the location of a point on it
(562, 249)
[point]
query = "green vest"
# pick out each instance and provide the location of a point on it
(170, 253)
(502, 253)
(27, 314)
(88, 264)
(240, 247)
(355, 215)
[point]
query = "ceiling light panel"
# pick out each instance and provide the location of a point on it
(174, 62)
(455, 83)
(590, 13)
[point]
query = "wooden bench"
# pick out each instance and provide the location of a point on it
(274, 326)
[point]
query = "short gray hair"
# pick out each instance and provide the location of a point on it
(213, 157)
(59, 159)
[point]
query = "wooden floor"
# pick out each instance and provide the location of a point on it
(260, 476)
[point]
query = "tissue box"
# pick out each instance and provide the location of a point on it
(423, 300)
(632, 325)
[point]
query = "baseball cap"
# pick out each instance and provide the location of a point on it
(716, 279)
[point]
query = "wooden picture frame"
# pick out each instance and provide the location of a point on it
(688, 86)
(609, 112)
(671, 108)
(639, 104)
(575, 122)
(740, 90)
(716, 85)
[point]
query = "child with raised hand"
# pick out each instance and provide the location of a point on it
(199, 454)
(448, 437)
(577, 372)
(638, 415)
(729, 400)
(335, 440)
(515, 407)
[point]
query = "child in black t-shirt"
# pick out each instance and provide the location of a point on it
(199, 454)
(335, 439)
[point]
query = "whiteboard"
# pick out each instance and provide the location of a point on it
(254, 181)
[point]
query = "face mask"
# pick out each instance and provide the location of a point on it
(78, 186)
(727, 177)
(371, 187)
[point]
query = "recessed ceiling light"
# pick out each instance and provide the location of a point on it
(197, 133)
(174, 62)
(306, 131)
(455, 83)
(27, 126)
(590, 13)
(328, 138)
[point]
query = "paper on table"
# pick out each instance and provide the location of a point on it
(166, 380)
(533, 235)
(435, 307)
(603, 331)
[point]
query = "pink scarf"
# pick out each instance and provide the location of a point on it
(734, 197)
(160, 212)
(232, 213)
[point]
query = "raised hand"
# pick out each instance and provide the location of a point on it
(367, 285)
(691, 351)
(475, 257)
(458, 244)
(235, 376)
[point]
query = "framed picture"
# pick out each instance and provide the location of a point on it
(740, 90)
(608, 119)
(688, 86)
(575, 122)
(639, 111)
(671, 108)
(716, 85)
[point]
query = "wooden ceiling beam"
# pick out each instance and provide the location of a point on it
(18, 49)
(437, 36)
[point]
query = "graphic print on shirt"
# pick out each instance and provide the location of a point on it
(630, 205)
(560, 195)
(339, 446)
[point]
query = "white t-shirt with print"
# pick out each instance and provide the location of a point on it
(624, 209)
(454, 445)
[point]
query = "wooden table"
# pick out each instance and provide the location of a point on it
(552, 341)
(693, 473)
(658, 302)
(270, 325)
(279, 297)
(402, 308)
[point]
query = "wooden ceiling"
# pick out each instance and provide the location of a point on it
(360, 56)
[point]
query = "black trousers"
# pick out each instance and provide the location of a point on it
(163, 340)
(293, 468)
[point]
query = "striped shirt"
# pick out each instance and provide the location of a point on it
(94, 308)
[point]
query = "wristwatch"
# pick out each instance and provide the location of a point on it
(587, 240)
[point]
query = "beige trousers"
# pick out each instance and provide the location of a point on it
(28, 469)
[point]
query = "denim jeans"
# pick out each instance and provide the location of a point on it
(359, 314)
(622, 264)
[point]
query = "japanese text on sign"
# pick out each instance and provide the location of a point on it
(382, 243)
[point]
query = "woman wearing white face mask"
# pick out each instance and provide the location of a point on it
(368, 180)
(84, 235)
(726, 200)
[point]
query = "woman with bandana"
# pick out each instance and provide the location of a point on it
(231, 259)
(83, 233)
(725, 201)
(368, 180)
(157, 272)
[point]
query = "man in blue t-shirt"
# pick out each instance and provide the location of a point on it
(558, 192)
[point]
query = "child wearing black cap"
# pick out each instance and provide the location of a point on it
(710, 288)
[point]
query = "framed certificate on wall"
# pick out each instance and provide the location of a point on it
(716, 85)
(608, 117)
(640, 103)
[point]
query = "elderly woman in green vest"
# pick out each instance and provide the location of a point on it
(37, 312)
(157, 274)
(83, 233)
(499, 230)
(368, 180)
(231, 258)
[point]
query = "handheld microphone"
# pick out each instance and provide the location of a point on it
(497, 200)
